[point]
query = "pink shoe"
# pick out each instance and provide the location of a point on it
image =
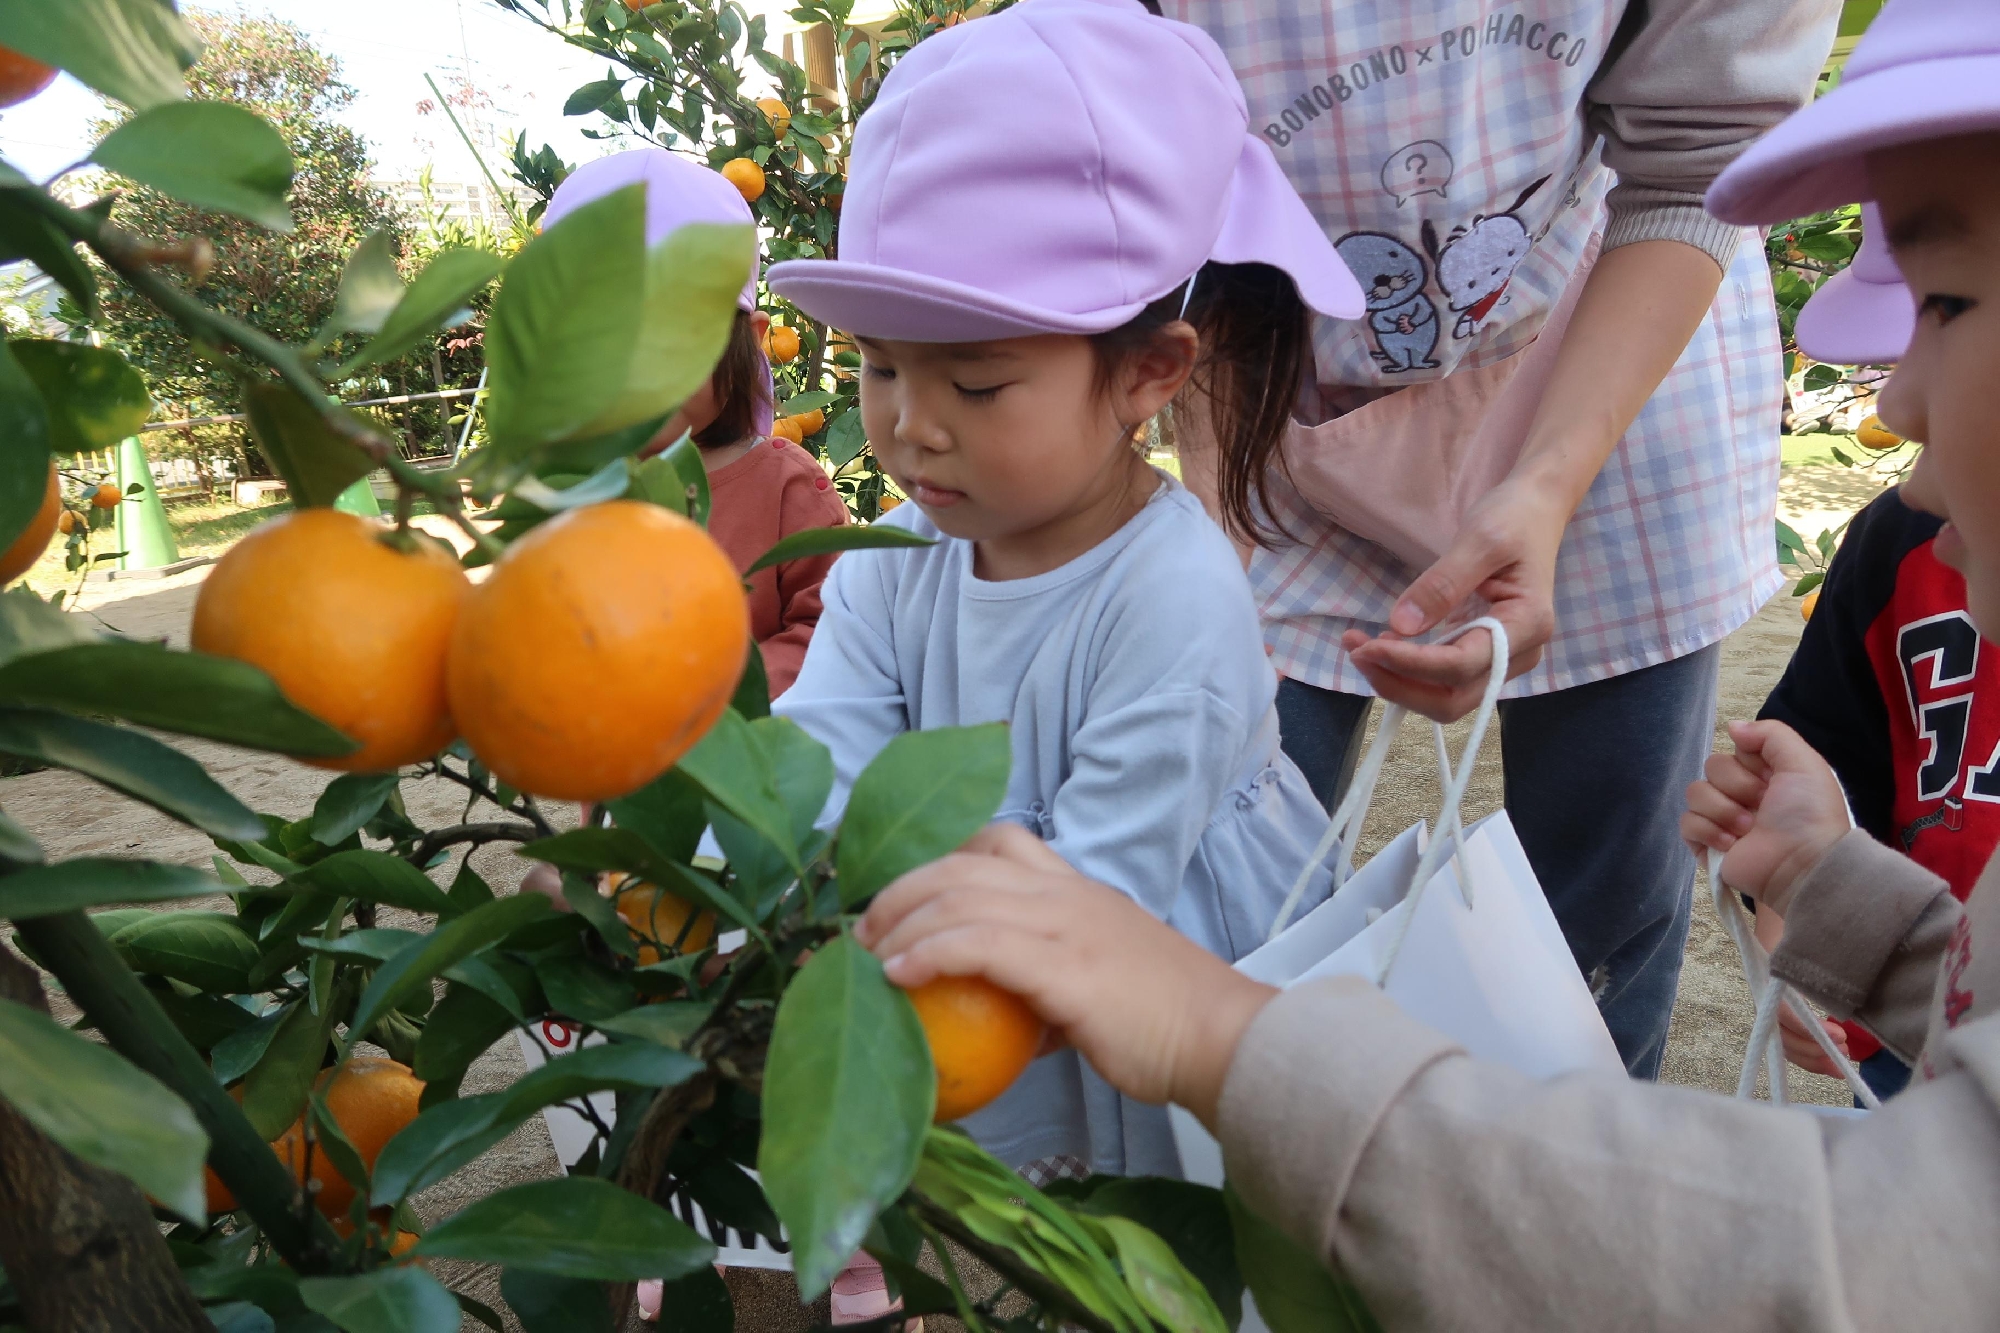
(861, 1293)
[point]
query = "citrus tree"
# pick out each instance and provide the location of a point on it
(280, 1038)
(685, 74)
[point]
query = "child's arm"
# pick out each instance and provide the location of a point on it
(1458, 1193)
(806, 501)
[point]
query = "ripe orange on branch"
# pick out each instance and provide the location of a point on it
(1872, 434)
(372, 1098)
(746, 176)
(603, 646)
(34, 539)
(781, 344)
(21, 78)
(981, 1038)
(353, 630)
(663, 919)
(106, 496)
(788, 428)
(777, 113)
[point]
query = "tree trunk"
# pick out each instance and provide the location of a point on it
(78, 1242)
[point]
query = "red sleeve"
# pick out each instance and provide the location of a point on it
(808, 500)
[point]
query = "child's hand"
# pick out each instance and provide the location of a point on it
(1802, 1050)
(1774, 808)
(1155, 1014)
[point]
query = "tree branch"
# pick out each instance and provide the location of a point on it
(477, 834)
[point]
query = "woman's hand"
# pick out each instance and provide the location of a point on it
(1774, 808)
(1157, 1015)
(1506, 553)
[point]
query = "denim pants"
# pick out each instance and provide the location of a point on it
(1595, 781)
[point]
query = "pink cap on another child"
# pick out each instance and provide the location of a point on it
(677, 192)
(1055, 168)
(1926, 69)
(1862, 315)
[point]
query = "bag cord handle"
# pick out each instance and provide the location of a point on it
(1766, 1041)
(1345, 825)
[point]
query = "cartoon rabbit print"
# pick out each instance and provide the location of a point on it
(1476, 262)
(1403, 319)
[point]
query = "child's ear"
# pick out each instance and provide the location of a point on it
(760, 324)
(1155, 374)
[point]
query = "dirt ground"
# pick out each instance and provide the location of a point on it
(74, 817)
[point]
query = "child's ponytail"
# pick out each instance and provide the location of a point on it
(1256, 351)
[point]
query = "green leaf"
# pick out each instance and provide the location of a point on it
(1192, 1219)
(132, 51)
(593, 97)
(849, 537)
(240, 1317)
(1789, 539)
(348, 802)
(94, 396)
(1294, 1291)
(848, 1094)
(333, 1141)
(462, 1028)
(592, 851)
(806, 402)
(377, 944)
(214, 155)
(389, 1300)
(666, 812)
(617, 1067)
(446, 286)
(130, 762)
(670, 1022)
(207, 950)
(684, 457)
(552, 1303)
(92, 881)
(753, 691)
(24, 463)
(317, 464)
(26, 234)
(584, 990)
(99, 1107)
(918, 800)
(1805, 585)
(205, 1020)
(579, 1227)
(412, 969)
(561, 330)
(193, 694)
(17, 844)
(370, 287)
(276, 1089)
(377, 877)
(1167, 1291)
(802, 769)
(438, 1142)
(734, 768)
(238, 1053)
(846, 437)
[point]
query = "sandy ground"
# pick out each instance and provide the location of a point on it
(74, 817)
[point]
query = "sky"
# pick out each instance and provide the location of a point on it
(385, 47)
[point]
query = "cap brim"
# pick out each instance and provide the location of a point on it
(1816, 159)
(1849, 322)
(1269, 224)
(874, 301)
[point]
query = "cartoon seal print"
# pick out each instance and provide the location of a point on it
(1403, 319)
(1476, 262)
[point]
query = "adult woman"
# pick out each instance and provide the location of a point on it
(1563, 401)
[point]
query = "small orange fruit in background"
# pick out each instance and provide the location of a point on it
(372, 1098)
(981, 1038)
(1808, 603)
(659, 917)
(34, 539)
(886, 503)
(810, 423)
(1872, 434)
(603, 646)
(788, 428)
(777, 113)
(781, 344)
(106, 496)
(21, 78)
(66, 522)
(746, 176)
(354, 631)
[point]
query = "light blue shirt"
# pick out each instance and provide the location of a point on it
(1145, 744)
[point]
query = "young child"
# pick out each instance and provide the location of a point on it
(761, 487)
(1116, 235)
(1458, 1194)
(1890, 682)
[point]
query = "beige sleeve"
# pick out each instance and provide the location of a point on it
(1460, 1194)
(1864, 931)
(1689, 85)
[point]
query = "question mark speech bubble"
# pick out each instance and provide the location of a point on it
(1423, 167)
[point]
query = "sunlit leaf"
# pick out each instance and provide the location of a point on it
(825, 541)
(94, 396)
(214, 155)
(918, 800)
(130, 50)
